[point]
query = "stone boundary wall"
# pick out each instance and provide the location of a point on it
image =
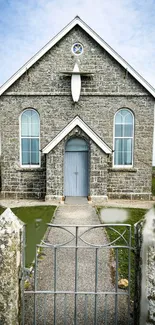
(11, 241)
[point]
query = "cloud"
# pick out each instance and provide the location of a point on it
(126, 25)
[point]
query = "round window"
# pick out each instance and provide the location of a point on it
(77, 49)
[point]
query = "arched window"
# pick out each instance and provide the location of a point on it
(30, 138)
(123, 138)
(76, 144)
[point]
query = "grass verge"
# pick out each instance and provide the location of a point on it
(134, 216)
(153, 185)
(36, 219)
(1, 210)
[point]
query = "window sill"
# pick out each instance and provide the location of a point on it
(123, 169)
(30, 169)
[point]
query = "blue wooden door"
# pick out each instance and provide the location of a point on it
(76, 173)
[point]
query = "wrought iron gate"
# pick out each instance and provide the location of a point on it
(75, 277)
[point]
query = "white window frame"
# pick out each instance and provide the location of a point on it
(123, 166)
(20, 129)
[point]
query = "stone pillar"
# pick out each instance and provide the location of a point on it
(147, 303)
(11, 234)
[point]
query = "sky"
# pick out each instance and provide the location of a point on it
(128, 26)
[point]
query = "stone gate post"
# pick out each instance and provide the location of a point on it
(147, 270)
(11, 238)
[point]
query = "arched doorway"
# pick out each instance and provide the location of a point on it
(76, 168)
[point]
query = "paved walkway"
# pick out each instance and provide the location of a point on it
(11, 203)
(71, 215)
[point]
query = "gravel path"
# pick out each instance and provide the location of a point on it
(65, 277)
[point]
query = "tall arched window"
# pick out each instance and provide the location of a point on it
(123, 138)
(30, 138)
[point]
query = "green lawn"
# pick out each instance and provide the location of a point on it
(1, 210)
(153, 186)
(134, 216)
(36, 219)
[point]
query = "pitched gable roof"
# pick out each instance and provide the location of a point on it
(78, 122)
(96, 37)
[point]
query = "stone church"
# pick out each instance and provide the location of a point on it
(76, 120)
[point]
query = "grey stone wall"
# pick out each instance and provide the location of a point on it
(54, 172)
(24, 183)
(98, 173)
(11, 230)
(46, 89)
